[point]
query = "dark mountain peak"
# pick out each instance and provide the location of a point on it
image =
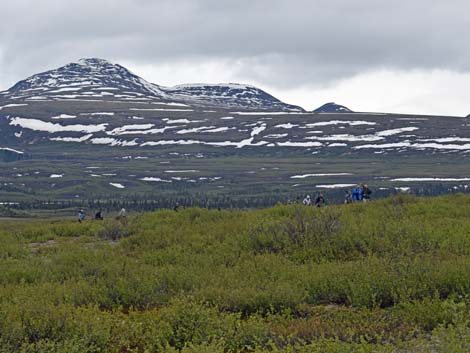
(332, 108)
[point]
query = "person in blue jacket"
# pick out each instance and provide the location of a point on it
(357, 193)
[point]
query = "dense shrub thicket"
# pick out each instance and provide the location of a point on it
(389, 276)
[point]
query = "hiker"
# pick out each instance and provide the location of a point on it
(176, 208)
(81, 216)
(320, 201)
(122, 214)
(307, 201)
(99, 215)
(357, 193)
(366, 193)
(348, 197)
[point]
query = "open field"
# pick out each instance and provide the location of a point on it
(389, 276)
(211, 181)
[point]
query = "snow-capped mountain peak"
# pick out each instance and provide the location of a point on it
(98, 79)
(229, 94)
(93, 78)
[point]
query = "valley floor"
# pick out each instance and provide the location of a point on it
(49, 186)
(389, 276)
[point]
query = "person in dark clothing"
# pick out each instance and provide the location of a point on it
(320, 201)
(99, 215)
(366, 193)
(176, 208)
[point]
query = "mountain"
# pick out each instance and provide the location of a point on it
(230, 95)
(332, 108)
(88, 78)
(98, 79)
(93, 129)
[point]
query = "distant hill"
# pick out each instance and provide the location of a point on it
(332, 108)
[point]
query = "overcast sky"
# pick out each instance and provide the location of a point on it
(408, 56)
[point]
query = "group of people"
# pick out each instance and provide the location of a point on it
(357, 194)
(360, 193)
(122, 215)
(319, 201)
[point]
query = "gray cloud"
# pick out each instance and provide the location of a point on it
(275, 42)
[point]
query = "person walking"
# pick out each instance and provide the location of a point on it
(99, 215)
(348, 197)
(320, 201)
(307, 201)
(122, 216)
(357, 194)
(81, 216)
(366, 193)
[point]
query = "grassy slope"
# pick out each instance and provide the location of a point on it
(393, 275)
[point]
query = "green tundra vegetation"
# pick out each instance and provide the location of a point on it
(392, 275)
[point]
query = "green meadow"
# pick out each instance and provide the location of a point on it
(392, 275)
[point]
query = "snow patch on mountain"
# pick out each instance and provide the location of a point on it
(11, 150)
(72, 139)
(12, 106)
(430, 179)
(334, 186)
(63, 116)
(341, 122)
(303, 176)
(39, 125)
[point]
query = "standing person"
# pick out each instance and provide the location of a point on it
(99, 215)
(81, 216)
(348, 197)
(366, 193)
(354, 194)
(307, 201)
(122, 216)
(320, 201)
(357, 193)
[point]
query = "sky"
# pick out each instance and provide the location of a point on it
(401, 56)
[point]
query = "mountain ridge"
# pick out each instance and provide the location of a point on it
(95, 78)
